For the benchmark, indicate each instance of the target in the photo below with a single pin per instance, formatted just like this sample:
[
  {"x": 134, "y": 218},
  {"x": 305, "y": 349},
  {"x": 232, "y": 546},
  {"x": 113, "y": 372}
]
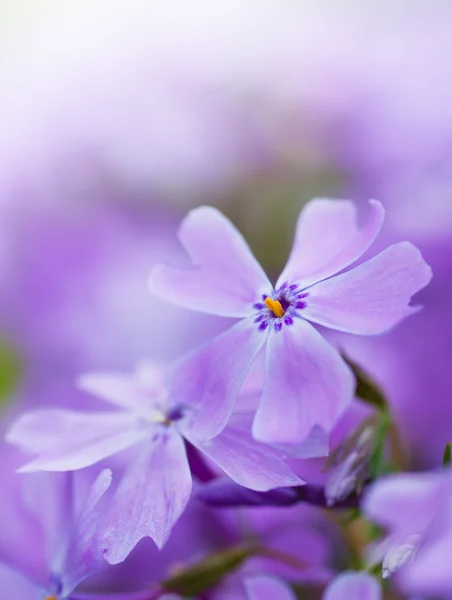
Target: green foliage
[
  {"x": 367, "y": 389},
  {"x": 10, "y": 371},
  {"x": 377, "y": 462},
  {"x": 447, "y": 456},
  {"x": 194, "y": 580}
]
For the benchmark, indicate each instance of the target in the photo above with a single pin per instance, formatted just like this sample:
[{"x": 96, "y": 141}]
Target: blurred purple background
[{"x": 117, "y": 117}]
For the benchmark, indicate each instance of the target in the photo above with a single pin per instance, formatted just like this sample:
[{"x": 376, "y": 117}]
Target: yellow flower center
[{"x": 275, "y": 307}]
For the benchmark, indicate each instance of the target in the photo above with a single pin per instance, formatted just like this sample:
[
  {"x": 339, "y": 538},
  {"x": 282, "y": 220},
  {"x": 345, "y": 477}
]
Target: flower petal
[
  {"x": 316, "y": 445},
  {"x": 246, "y": 461},
  {"x": 263, "y": 587},
  {"x": 307, "y": 384},
  {"x": 83, "y": 557},
  {"x": 406, "y": 501},
  {"x": 150, "y": 498},
  {"x": 14, "y": 584},
  {"x": 353, "y": 586},
  {"x": 65, "y": 440},
  {"x": 328, "y": 239},
  {"x": 429, "y": 572},
  {"x": 125, "y": 391},
  {"x": 226, "y": 279},
  {"x": 373, "y": 297},
  {"x": 210, "y": 378}
]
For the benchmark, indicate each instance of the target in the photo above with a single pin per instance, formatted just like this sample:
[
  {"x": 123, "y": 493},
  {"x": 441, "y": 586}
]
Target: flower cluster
[{"x": 232, "y": 421}]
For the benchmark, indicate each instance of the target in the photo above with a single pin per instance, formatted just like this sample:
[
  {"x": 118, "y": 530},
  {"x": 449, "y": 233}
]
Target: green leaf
[
  {"x": 377, "y": 464},
  {"x": 366, "y": 388},
  {"x": 204, "y": 575},
  {"x": 447, "y": 456},
  {"x": 10, "y": 371}
]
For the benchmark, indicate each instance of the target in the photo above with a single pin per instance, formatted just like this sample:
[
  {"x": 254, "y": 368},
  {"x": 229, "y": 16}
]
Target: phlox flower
[
  {"x": 306, "y": 382},
  {"x": 157, "y": 482},
  {"x": 416, "y": 511},
  {"x": 48, "y": 542}
]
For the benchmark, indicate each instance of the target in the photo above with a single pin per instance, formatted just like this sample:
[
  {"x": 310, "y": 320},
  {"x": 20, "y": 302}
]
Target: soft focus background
[{"x": 117, "y": 117}]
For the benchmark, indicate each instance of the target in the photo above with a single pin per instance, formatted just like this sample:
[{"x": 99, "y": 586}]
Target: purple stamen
[
  {"x": 284, "y": 303},
  {"x": 175, "y": 414},
  {"x": 290, "y": 298}
]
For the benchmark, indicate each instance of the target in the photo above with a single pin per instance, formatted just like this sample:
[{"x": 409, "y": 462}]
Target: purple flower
[
  {"x": 48, "y": 543},
  {"x": 157, "y": 483},
  {"x": 353, "y": 586},
  {"x": 415, "y": 509},
  {"x": 306, "y": 382}
]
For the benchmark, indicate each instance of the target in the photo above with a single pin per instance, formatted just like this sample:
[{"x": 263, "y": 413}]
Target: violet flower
[
  {"x": 306, "y": 382},
  {"x": 156, "y": 485},
  {"x": 353, "y": 586},
  {"x": 62, "y": 551},
  {"x": 415, "y": 509}
]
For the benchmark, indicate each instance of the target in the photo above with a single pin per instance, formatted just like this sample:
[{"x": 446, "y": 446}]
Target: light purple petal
[
  {"x": 83, "y": 557},
  {"x": 263, "y": 587},
  {"x": 248, "y": 462},
  {"x": 429, "y": 572},
  {"x": 152, "y": 375},
  {"x": 226, "y": 279},
  {"x": 406, "y": 501},
  {"x": 24, "y": 543},
  {"x": 353, "y": 586},
  {"x": 49, "y": 497},
  {"x": 125, "y": 391},
  {"x": 65, "y": 440},
  {"x": 328, "y": 239},
  {"x": 15, "y": 586},
  {"x": 307, "y": 384},
  {"x": 373, "y": 297},
  {"x": 150, "y": 498},
  {"x": 317, "y": 444},
  {"x": 314, "y": 446},
  {"x": 210, "y": 378}
]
